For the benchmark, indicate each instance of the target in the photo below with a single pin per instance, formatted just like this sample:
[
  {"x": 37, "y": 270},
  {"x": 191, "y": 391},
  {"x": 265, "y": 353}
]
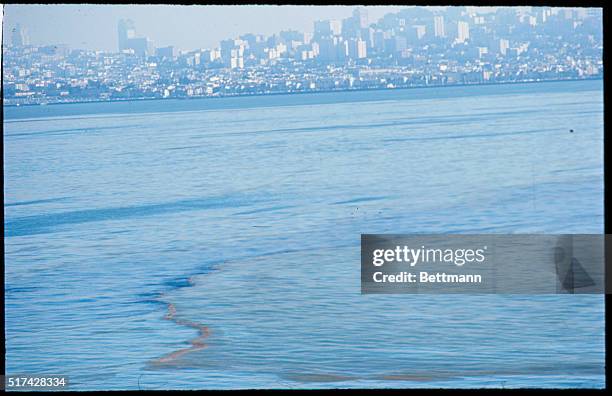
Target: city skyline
[
  {"x": 413, "y": 47},
  {"x": 187, "y": 27},
  {"x": 200, "y": 26}
]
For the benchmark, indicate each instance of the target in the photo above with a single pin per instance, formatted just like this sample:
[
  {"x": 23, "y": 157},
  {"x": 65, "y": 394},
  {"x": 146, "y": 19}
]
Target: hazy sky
[{"x": 188, "y": 27}]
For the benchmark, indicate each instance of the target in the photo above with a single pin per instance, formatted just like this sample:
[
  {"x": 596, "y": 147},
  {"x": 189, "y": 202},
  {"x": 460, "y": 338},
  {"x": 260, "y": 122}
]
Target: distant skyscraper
[
  {"x": 336, "y": 27},
  {"x": 350, "y": 28},
  {"x": 354, "y": 26},
  {"x": 322, "y": 29},
  {"x": 232, "y": 52},
  {"x": 211, "y": 55},
  {"x": 439, "y": 26},
  {"x": 398, "y": 44},
  {"x": 167, "y": 52},
  {"x": 127, "y": 39},
  {"x": 379, "y": 41},
  {"x": 503, "y": 46},
  {"x": 342, "y": 50},
  {"x": 417, "y": 31},
  {"x": 327, "y": 28},
  {"x": 141, "y": 46},
  {"x": 361, "y": 17},
  {"x": 327, "y": 49},
  {"x": 463, "y": 31},
  {"x": 481, "y": 52},
  {"x": 20, "y": 36},
  {"x": 545, "y": 14},
  {"x": 357, "y": 49},
  {"x": 235, "y": 61},
  {"x": 126, "y": 31},
  {"x": 307, "y": 37},
  {"x": 291, "y": 35},
  {"x": 362, "y": 49}
]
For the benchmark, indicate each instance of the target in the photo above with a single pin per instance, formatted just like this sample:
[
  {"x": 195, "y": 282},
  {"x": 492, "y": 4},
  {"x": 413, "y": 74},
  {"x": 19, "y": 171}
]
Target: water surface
[{"x": 215, "y": 244}]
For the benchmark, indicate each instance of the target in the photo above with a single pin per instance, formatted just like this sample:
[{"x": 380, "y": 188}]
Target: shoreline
[{"x": 323, "y": 91}]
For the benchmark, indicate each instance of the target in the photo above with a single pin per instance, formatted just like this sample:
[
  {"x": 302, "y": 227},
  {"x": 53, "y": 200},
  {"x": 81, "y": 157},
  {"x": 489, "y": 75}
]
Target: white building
[
  {"x": 463, "y": 31},
  {"x": 439, "y": 26}
]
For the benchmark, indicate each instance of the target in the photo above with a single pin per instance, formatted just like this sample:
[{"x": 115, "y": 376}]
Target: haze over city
[
  {"x": 187, "y": 27},
  {"x": 412, "y": 47}
]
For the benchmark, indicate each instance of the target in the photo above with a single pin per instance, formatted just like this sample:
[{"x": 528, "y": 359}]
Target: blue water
[{"x": 215, "y": 243}]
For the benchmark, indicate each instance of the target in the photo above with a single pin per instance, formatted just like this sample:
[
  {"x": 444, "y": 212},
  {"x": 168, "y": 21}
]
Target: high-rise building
[
  {"x": 463, "y": 31},
  {"x": 322, "y": 29},
  {"x": 127, "y": 39},
  {"x": 439, "y": 26},
  {"x": 379, "y": 41},
  {"x": 291, "y": 35},
  {"x": 416, "y": 32},
  {"x": 341, "y": 50},
  {"x": 336, "y": 27},
  {"x": 327, "y": 49},
  {"x": 141, "y": 46},
  {"x": 503, "y": 46},
  {"x": 481, "y": 52},
  {"x": 362, "y": 49},
  {"x": 232, "y": 53},
  {"x": 350, "y": 28},
  {"x": 357, "y": 49},
  {"x": 396, "y": 44},
  {"x": 361, "y": 17},
  {"x": 307, "y": 37},
  {"x": 211, "y": 55},
  {"x": 236, "y": 62},
  {"x": 126, "y": 31},
  {"x": 355, "y": 26},
  {"x": 250, "y": 39},
  {"x": 545, "y": 13},
  {"x": 327, "y": 28},
  {"x": 20, "y": 36},
  {"x": 167, "y": 52}
]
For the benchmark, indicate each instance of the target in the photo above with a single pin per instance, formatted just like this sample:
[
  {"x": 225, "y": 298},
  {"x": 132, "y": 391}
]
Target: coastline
[{"x": 322, "y": 91}]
